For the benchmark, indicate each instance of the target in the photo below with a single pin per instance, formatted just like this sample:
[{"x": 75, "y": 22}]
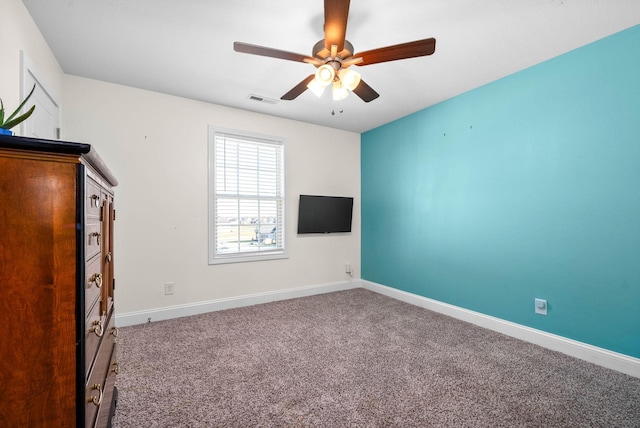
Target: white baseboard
[
  {"x": 593, "y": 354},
  {"x": 177, "y": 311}
]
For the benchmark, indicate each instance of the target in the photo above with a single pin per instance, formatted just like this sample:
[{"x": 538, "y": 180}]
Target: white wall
[
  {"x": 18, "y": 33},
  {"x": 156, "y": 145}
]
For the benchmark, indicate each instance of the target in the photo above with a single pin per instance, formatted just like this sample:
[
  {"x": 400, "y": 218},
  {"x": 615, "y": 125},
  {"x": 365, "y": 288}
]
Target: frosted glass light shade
[
  {"x": 316, "y": 87},
  {"x": 338, "y": 91},
  {"x": 349, "y": 78}
]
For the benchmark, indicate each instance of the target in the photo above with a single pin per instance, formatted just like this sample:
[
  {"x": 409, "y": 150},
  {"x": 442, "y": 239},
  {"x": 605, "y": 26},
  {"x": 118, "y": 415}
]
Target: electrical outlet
[
  {"x": 541, "y": 306},
  {"x": 169, "y": 287},
  {"x": 347, "y": 268}
]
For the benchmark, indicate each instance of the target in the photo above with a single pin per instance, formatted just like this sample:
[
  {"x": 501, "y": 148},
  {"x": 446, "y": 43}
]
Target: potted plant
[{"x": 13, "y": 120}]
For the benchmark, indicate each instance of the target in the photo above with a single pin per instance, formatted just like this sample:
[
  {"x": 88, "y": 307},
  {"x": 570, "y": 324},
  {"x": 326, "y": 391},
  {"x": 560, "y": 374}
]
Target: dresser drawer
[
  {"x": 98, "y": 384},
  {"x": 93, "y": 283},
  {"x": 95, "y": 330},
  {"x": 93, "y": 232},
  {"x": 93, "y": 199},
  {"x": 105, "y": 412}
]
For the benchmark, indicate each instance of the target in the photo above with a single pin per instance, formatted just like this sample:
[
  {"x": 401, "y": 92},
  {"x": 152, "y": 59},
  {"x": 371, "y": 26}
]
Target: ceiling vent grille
[{"x": 261, "y": 99}]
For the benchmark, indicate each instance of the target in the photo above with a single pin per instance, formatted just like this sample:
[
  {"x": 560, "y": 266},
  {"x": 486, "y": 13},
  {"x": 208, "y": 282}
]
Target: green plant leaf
[
  {"x": 20, "y": 107},
  {"x": 13, "y": 122},
  {"x": 1, "y": 112}
]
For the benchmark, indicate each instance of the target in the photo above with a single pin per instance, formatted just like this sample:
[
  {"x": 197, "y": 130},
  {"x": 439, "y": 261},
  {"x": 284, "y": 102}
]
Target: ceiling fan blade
[
  {"x": 270, "y": 52},
  {"x": 402, "y": 51},
  {"x": 365, "y": 92},
  {"x": 336, "y": 13},
  {"x": 298, "y": 89}
]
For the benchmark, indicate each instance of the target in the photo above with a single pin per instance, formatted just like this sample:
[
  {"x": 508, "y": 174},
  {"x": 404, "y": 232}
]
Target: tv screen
[{"x": 324, "y": 214}]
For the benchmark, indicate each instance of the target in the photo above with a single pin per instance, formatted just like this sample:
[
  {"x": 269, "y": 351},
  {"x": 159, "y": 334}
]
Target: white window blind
[{"x": 247, "y": 202}]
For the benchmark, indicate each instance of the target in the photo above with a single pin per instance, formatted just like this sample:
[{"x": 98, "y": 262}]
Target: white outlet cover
[
  {"x": 541, "y": 306},
  {"x": 169, "y": 288}
]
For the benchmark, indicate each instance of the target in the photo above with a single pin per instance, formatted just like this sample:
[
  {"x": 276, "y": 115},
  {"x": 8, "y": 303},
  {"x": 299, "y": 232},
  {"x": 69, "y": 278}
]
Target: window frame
[{"x": 216, "y": 257}]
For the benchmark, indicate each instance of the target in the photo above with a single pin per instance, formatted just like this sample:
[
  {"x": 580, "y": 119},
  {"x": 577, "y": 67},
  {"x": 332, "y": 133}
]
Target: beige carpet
[{"x": 359, "y": 359}]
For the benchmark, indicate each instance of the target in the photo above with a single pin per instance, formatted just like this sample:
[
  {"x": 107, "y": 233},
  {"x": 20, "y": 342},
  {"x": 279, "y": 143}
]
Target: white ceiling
[{"x": 185, "y": 47}]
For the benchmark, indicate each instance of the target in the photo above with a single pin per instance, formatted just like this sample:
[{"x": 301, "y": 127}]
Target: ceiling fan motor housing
[{"x": 321, "y": 52}]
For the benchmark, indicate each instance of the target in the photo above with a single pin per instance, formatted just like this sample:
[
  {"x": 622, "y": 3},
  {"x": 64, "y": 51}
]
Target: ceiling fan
[{"x": 334, "y": 55}]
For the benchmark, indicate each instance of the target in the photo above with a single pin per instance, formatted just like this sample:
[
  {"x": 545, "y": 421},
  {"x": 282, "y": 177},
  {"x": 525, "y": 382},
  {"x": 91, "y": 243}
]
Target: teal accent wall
[{"x": 526, "y": 187}]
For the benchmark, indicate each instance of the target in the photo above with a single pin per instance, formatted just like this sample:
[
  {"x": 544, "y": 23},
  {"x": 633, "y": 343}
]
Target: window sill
[{"x": 242, "y": 258}]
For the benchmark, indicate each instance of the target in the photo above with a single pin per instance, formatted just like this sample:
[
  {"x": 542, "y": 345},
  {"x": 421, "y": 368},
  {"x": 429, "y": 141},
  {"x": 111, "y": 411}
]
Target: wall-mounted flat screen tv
[{"x": 324, "y": 214}]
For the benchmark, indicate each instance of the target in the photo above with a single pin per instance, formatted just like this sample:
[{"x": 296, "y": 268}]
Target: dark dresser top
[{"x": 83, "y": 150}]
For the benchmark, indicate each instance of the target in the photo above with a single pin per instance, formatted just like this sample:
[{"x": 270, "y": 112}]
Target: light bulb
[{"x": 325, "y": 74}]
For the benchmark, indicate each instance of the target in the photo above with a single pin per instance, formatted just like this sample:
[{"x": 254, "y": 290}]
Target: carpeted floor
[{"x": 359, "y": 359}]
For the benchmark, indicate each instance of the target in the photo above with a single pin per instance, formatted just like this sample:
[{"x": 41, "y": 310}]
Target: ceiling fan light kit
[
  {"x": 342, "y": 82},
  {"x": 333, "y": 56}
]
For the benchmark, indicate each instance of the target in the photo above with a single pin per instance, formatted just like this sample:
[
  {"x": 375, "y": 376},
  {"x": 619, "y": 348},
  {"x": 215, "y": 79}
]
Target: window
[{"x": 246, "y": 197}]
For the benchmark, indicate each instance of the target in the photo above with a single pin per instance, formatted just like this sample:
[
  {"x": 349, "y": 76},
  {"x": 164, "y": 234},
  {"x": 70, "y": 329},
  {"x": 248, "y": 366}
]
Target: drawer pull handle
[
  {"x": 115, "y": 332},
  {"x": 97, "y": 278},
  {"x": 97, "y": 236},
  {"x": 97, "y": 328},
  {"x": 108, "y": 257},
  {"x": 116, "y": 368},
  {"x": 96, "y": 400},
  {"x": 95, "y": 200}
]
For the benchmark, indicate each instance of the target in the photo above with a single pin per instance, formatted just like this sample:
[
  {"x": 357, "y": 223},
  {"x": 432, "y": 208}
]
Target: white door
[{"x": 45, "y": 120}]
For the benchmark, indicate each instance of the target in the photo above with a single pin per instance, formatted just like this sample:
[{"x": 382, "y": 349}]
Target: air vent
[{"x": 260, "y": 99}]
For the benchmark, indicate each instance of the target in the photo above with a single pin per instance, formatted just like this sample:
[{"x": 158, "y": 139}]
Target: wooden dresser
[{"x": 57, "y": 336}]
